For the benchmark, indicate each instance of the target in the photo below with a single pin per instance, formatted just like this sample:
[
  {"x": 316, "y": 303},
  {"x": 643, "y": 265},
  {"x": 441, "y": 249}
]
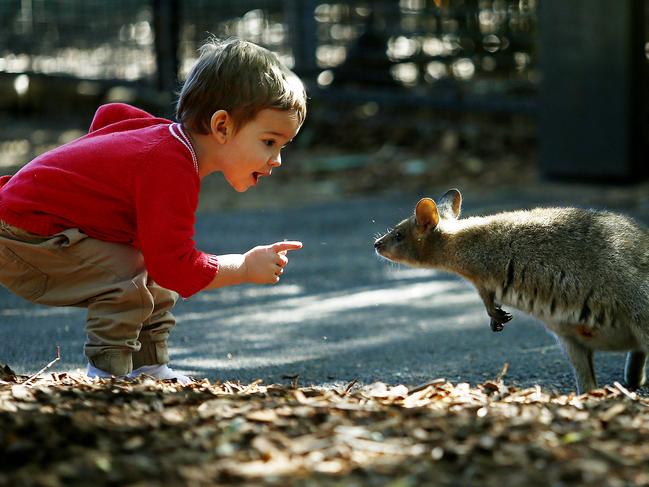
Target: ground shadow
[{"x": 339, "y": 314}]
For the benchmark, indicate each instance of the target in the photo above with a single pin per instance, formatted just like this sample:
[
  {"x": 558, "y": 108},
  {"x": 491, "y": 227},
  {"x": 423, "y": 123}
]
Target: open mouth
[{"x": 257, "y": 175}]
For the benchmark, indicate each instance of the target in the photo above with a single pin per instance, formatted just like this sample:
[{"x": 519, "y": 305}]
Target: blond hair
[{"x": 241, "y": 78}]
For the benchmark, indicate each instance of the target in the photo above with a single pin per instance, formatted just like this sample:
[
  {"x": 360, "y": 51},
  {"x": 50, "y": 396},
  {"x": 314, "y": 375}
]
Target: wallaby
[{"x": 584, "y": 273}]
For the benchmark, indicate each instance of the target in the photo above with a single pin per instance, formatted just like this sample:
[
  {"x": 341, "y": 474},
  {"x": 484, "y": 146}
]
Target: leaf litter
[{"x": 63, "y": 429}]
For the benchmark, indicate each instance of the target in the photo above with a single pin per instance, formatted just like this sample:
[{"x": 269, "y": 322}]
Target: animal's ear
[
  {"x": 450, "y": 205},
  {"x": 426, "y": 213}
]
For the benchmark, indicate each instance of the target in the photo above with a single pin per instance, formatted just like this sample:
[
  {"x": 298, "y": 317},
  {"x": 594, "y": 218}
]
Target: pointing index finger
[{"x": 287, "y": 245}]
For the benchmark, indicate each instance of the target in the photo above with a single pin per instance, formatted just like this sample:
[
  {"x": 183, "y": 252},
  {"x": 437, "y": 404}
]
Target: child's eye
[{"x": 269, "y": 143}]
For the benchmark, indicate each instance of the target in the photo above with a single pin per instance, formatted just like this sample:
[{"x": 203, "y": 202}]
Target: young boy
[{"x": 107, "y": 221}]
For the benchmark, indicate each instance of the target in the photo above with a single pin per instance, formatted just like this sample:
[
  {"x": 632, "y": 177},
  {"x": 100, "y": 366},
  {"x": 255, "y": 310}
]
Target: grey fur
[{"x": 584, "y": 273}]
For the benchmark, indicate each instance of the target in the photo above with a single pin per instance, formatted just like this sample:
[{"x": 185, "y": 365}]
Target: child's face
[{"x": 254, "y": 150}]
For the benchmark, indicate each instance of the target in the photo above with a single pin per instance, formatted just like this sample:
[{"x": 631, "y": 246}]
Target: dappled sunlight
[
  {"x": 295, "y": 310},
  {"x": 33, "y": 312},
  {"x": 461, "y": 298},
  {"x": 399, "y": 272},
  {"x": 252, "y": 292},
  {"x": 360, "y": 327},
  {"x": 273, "y": 358},
  {"x": 252, "y": 350}
]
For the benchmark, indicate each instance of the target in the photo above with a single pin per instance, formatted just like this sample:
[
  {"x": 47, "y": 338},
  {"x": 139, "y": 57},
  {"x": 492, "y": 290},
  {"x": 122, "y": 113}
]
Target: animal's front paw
[
  {"x": 499, "y": 318},
  {"x": 496, "y": 325}
]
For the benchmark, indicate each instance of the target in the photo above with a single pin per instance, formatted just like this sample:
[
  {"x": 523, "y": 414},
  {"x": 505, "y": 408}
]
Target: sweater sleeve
[
  {"x": 115, "y": 112},
  {"x": 166, "y": 202}
]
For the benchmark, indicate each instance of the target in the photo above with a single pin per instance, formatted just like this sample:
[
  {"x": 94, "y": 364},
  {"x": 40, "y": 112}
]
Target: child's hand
[{"x": 265, "y": 263}]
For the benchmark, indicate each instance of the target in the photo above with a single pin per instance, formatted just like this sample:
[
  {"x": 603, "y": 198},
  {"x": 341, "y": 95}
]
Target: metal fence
[
  {"x": 406, "y": 48},
  {"x": 451, "y": 56},
  {"x": 89, "y": 39}
]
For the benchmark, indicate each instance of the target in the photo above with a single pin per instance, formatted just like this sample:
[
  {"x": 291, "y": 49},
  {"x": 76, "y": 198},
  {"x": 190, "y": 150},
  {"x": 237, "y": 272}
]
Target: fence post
[
  {"x": 593, "y": 112},
  {"x": 166, "y": 25},
  {"x": 301, "y": 20}
]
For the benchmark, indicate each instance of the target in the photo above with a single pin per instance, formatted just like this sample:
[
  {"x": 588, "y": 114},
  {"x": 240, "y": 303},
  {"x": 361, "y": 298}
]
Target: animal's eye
[{"x": 398, "y": 236}]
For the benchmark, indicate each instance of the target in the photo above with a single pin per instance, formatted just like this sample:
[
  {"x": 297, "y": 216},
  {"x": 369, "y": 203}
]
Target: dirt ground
[{"x": 65, "y": 430}]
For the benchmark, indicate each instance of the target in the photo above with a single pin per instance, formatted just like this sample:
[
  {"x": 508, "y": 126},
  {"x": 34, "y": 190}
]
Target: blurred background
[
  {"x": 518, "y": 103},
  {"x": 405, "y": 95}
]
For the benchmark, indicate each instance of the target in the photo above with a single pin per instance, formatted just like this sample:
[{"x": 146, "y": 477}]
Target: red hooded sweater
[{"x": 129, "y": 181}]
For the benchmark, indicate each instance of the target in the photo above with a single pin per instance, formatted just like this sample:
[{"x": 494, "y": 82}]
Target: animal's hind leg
[
  {"x": 634, "y": 370},
  {"x": 581, "y": 359}
]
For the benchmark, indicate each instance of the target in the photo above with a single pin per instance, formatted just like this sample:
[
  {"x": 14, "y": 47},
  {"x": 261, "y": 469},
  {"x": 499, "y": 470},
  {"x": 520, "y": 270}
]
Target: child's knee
[{"x": 146, "y": 297}]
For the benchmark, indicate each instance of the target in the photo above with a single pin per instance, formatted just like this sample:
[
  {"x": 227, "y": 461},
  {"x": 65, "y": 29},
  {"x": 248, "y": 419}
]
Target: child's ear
[
  {"x": 426, "y": 213},
  {"x": 450, "y": 205},
  {"x": 221, "y": 125}
]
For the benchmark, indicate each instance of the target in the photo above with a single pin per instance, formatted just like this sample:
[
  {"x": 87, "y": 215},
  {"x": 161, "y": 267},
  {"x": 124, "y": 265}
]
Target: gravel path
[{"x": 338, "y": 314}]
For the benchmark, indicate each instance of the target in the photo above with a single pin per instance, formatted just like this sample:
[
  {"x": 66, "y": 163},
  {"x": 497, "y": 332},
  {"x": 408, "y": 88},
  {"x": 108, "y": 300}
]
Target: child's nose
[{"x": 276, "y": 161}]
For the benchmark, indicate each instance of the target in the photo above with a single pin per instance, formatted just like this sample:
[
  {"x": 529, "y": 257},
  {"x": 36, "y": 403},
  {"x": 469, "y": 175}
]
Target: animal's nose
[{"x": 377, "y": 244}]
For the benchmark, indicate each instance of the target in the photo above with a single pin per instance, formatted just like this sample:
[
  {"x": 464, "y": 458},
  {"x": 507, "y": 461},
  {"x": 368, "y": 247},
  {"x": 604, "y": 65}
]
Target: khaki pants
[{"x": 129, "y": 317}]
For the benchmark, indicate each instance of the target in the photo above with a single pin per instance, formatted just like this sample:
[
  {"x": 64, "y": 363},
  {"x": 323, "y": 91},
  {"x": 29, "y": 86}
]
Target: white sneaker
[
  {"x": 160, "y": 371},
  {"x": 93, "y": 372}
]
